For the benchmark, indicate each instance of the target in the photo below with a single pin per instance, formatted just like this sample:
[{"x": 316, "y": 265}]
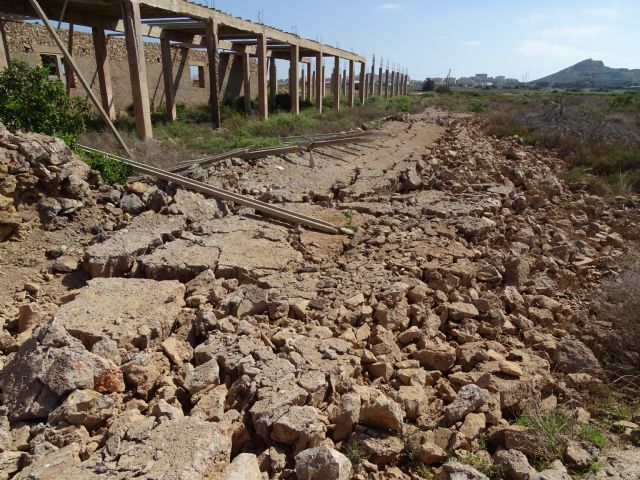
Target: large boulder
[
  {"x": 573, "y": 356},
  {"x": 322, "y": 463},
  {"x": 47, "y": 367},
  {"x": 244, "y": 467},
  {"x": 469, "y": 399},
  {"x": 459, "y": 471}
]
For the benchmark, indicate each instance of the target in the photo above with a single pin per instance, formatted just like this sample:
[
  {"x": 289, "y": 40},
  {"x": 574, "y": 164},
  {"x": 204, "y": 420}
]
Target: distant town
[{"x": 478, "y": 80}]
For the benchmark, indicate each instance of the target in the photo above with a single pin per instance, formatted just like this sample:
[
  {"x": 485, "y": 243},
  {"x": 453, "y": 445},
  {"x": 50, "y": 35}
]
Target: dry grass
[{"x": 192, "y": 136}]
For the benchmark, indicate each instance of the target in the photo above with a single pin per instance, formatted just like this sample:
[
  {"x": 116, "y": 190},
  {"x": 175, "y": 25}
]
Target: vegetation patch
[
  {"x": 32, "y": 102},
  {"x": 111, "y": 169}
]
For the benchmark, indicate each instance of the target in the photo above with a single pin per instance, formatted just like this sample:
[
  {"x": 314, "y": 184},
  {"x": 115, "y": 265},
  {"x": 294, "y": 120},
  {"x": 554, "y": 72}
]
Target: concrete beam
[
  {"x": 352, "y": 83},
  {"x": 137, "y": 69},
  {"x": 214, "y": 61},
  {"x": 294, "y": 86},
  {"x": 104, "y": 72},
  {"x": 167, "y": 75},
  {"x": 200, "y": 12},
  {"x": 263, "y": 101},
  {"x": 336, "y": 83},
  {"x": 246, "y": 82},
  {"x": 319, "y": 82}
]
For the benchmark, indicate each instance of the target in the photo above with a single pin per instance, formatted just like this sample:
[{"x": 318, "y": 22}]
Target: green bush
[
  {"x": 31, "y": 101},
  {"x": 111, "y": 170},
  {"x": 478, "y": 107},
  {"x": 444, "y": 90}
]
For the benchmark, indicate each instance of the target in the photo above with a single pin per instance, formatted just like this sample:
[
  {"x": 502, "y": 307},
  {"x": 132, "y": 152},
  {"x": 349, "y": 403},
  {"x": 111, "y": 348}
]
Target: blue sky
[{"x": 513, "y": 38}]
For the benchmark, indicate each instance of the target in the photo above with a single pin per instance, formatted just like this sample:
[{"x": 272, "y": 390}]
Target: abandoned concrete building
[{"x": 193, "y": 55}]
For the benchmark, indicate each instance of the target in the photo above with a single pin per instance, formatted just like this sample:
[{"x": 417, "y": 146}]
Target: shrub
[
  {"x": 444, "y": 90},
  {"x": 477, "y": 107},
  {"x": 428, "y": 85},
  {"x": 111, "y": 169},
  {"x": 30, "y": 101}
]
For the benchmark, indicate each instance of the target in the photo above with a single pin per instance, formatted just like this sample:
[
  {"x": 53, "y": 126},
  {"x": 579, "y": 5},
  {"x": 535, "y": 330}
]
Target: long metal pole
[
  {"x": 225, "y": 195},
  {"x": 83, "y": 81}
]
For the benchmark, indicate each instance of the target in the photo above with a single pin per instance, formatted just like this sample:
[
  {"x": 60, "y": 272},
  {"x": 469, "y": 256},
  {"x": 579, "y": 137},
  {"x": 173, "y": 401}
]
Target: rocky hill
[
  {"x": 591, "y": 73},
  {"x": 150, "y": 333}
]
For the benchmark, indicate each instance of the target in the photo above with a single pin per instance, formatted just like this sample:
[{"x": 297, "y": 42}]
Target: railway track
[{"x": 221, "y": 194}]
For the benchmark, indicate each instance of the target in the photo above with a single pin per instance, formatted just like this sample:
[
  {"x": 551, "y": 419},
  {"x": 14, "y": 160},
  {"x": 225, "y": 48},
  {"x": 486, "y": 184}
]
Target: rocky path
[{"x": 151, "y": 333}]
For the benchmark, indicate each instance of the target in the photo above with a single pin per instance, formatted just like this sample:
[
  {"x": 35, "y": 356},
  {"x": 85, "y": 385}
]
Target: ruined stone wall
[{"x": 27, "y": 41}]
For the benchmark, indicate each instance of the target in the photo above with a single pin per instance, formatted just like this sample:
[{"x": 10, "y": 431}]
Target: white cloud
[
  {"x": 389, "y": 6},
  {"x": 472, "y": 43},
  {"x": 600, "y": 12},
  {"x": 533, "y": 19},
  {"x": 554, "y": 50},
  {"x": 574, "y": 32}
]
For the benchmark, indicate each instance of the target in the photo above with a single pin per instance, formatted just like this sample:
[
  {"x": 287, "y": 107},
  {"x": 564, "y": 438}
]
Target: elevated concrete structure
[{"x": 182, "y": 25}]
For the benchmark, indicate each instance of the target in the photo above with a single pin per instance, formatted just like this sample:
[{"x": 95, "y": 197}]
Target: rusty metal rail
[
  {"x": 205, "y": 189},
  {"x": 249, "y": 153}
]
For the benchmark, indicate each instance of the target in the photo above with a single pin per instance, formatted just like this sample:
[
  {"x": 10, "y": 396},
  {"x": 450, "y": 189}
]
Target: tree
[
  {"x": 428, "y": 85},
  {"x": 30, "y": 101}
]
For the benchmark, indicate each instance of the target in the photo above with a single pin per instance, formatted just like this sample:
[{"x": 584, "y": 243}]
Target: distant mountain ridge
[{"x": 591, "y": 73}]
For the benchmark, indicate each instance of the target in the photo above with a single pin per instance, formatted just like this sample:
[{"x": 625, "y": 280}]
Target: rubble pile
[{"x": 213, "y": 344}]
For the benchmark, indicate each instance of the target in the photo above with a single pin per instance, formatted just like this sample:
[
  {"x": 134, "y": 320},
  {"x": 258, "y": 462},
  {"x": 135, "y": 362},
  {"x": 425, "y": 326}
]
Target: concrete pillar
[
  {"x": 319, "y": 82},
  {"x": 372, "y": 78},
  {"x": 246, "y": 82},
  {"x": 273, "y": 79},
  {"x": 104, "y": 73},
  {"x": 343, "y": 83},
  {"x": 309, "y": 83},
  {"x": 324, "y": 81},
  {"x": 294, "y": 86},
  {"x": 363, "y": 83},
  {"x": 137, "y": 68},
  {"x": 386, "y": 84},
  {"x": 380, "y": 82},
  {"x": 167, "y": 75},
  {"x": 71, "y": 77},
  {"x": 314, "y": 82},
  {"x": 336, "y": 84},
  {"x": 392, "y": 86},
  {"x": 303, "y": 84},
  {"x": 214, "y": 60},
  {"x": 4, "y": 49},
  {"x": 352, "y": 83},
  {"x": 263, "y": 102}
]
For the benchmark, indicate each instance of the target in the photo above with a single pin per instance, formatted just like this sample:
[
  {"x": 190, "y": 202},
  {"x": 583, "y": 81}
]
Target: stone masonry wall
[{"x": 27, "y": 41}]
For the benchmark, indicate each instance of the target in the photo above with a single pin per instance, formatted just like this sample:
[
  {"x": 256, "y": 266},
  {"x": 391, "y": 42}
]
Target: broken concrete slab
[
  {"x": 136, "y": 313},
  {"x": 180, "y": 260},
  {"x": 116, "y": 255}
]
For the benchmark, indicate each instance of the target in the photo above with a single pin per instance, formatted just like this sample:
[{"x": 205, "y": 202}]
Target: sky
[{"x": 519, "y": 39}]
